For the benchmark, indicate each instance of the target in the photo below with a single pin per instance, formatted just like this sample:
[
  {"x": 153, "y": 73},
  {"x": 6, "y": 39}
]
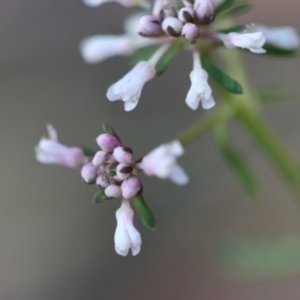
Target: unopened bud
[
  {"x": 172, "y": 26},
  {"x": 107, "y": 142},
  {"x": 99, "y": 158},
  {"x": 123, "y": 155},
  {"x": 88, "y": 173},
  {"x": 190, "y": 32},
  {"x": 102, "y": 182},
  {"x": 204, "y": 11},
  {"x": 123, "y": 171},
  {"x": 130, "y": 187},
  {"x": 113, "y": 191},
  {"x": 186, "y": 15},
  {"x": 149, "y": 25}
]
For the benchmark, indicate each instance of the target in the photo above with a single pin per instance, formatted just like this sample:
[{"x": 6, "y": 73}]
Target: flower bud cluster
[
  {"x": 175, "y": 22},
  {"x": 112, "y": 169}
]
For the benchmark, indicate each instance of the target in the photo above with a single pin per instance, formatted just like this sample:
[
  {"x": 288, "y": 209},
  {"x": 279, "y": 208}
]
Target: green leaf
[
  {"x": 275, "y": 94},
  {"x": 100, "y": 197},
  {"x": 237, "y": 10},
  {"x": 271, "y": 50},
  {"x": 223, "y": 79},
  {"x": 143, "y": 54},
  {"x": 144, "y": 212},
  {"x": 238, "y": 165},
  {"x": 259, "y": 258},
  {"x": 166, "y": 59},
  {"x": 87, "y": 151},
  {"x": 238, "y": 28},
  {"x": 108, "y": 129},
  {"x": 223, "y": 6}
]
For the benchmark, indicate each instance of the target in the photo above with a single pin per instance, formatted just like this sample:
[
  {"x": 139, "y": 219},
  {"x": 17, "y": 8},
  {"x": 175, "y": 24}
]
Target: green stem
[
  {"x": 203, "y": 126},
  {"x": 253, "y": 123}
]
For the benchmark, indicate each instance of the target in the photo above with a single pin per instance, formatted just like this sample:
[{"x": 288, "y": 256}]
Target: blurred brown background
[{"x": 54, "y": 243}]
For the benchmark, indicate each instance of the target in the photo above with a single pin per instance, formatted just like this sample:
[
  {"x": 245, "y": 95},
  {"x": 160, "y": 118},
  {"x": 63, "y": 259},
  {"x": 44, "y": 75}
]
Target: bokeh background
[{"x": 55, "y": 244}]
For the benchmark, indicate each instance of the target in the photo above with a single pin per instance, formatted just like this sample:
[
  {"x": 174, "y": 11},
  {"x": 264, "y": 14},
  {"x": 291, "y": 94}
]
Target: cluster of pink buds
[
  {"x": 112, "y": 169},
  {"x": 115, "y": 173},
  {"x": 171, "y": 25}
]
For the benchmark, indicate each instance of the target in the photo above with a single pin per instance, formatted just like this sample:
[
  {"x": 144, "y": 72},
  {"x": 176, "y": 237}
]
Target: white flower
[
  {"x": 129, "y": 87},
  {"x": 126, "y": 235},
  {"x": 50, "y": 151},
  {"x": 100, "y": 47},
  {"x": 252, "y": 41},
  {"x": 285, "y": 37},
  {"x": 199, "y": 91},
  {"x": 161, "y": 162}
]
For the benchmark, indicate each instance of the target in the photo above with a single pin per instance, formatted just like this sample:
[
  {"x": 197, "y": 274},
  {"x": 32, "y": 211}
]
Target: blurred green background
[{"x": 212, "y": 241}]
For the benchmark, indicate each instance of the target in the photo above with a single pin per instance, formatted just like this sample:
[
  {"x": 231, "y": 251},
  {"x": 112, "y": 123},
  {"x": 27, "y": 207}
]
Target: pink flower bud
[
  {"x": 107, "y": 142},
  {"x": 88, "y": 173},
  {"x": 172, "y": 26},
  {"x": 149, "y": 26},
  {"x": 204, "y": 11},
  {"x": 190, "y": 32},
  {"x": 99, "y": 158},
  {"x": 123, "y": 171},
  {"x": 186, "y": 15},
  {"x": 113, "y": 191},
  {"x": 126, "y": 235},
  {"x": 123, "y": 155},
  {"x": 130, "y": 187},
  {"x": 102, "y": 182}
]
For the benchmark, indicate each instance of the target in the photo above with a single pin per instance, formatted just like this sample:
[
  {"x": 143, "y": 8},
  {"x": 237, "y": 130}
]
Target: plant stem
[
  {"x": 203, "y": 126},
  {"x": 253, "y": 123}
]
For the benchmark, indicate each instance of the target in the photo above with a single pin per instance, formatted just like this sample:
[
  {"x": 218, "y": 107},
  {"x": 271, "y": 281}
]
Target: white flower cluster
[
  {"x": 165, "y": 24},
  {"x": 114, "y": 172}
]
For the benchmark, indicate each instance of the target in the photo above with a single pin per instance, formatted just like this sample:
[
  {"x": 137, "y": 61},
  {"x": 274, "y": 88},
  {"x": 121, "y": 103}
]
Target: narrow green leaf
[
  {"x": 87, "y": 151},
  {"x": 100, "y": 197},
  {"x": 271, "y": 50},
  {"x": 235, "y": 161},
  {"x": 166, "y": 59},
  {"x": 108, "y": 129},
  {"x": 237, "y": 10},
  {"x": 223, "y": 79},
  {"x": 223, "y": 6},
  {"x": 275, "y": 94},
  {"x": 144, "y": 212},
  {"x": 238, "y": 28},
  {"x": 143, "y": 54},
  {"x": 259, "y": 258}
]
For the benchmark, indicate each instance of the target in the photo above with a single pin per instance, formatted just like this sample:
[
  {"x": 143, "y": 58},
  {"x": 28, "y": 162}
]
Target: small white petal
[{"x": 178, "y": 176}]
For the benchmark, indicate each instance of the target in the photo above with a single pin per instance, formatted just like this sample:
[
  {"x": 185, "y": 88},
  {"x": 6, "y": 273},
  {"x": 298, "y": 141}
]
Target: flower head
[
  {"x": 161, "y": 162},
  {"x": 129, "y": 88},
  {"x": 50, "y": 151},
  {"x": 252, "y": 41},
  {"x": 126, "y": 235}
]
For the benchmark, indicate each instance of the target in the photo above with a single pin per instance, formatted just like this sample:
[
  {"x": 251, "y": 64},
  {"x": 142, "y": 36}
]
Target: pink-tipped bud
[
  {"x": 123, "y": 155},
  {"x": 186, "y": 15},
  {"x": 107, "y": 142},
  {"x": 123, "y": 171},
  {"x": 130, "y": 187},
  {"x": 149, "y": 25},
  {"x": 89, "y": 173},
  {"x": 190, "y": 32},
  {"x": 99, "y": 158},
  {"x": 113, "y": 191},
  {"x": 102, "y": 182},
  {"x": 204, "y": 11},
  {"x": 172, "y": 26}
]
